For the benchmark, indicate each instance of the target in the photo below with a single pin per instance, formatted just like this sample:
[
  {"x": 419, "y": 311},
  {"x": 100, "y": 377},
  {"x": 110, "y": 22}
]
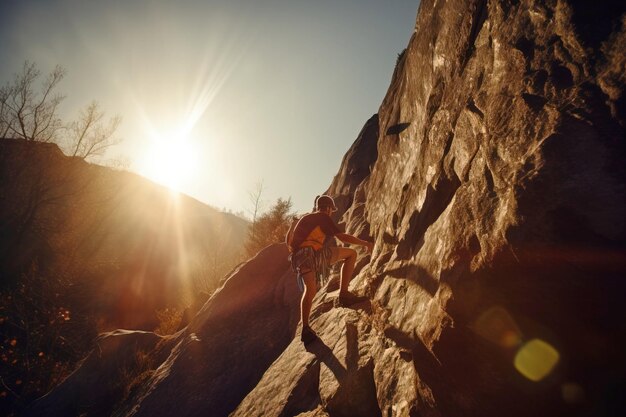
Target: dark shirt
[{"x": 312, "y": 230}]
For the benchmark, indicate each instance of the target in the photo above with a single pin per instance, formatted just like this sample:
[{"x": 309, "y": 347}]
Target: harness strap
[{"x": 306, "y": 259}]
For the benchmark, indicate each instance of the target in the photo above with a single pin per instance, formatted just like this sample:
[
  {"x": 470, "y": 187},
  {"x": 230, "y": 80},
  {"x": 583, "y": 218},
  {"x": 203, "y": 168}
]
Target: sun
[{"x": 170, "y": 162}]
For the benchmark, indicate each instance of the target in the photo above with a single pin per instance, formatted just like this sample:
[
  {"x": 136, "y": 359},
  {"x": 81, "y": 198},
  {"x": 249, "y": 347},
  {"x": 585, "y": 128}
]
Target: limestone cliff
[{"x": 496, "y": 200}]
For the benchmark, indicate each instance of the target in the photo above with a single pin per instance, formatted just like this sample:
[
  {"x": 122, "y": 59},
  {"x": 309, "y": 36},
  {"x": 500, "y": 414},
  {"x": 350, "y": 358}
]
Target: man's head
[{"x": 325, "y": 203}]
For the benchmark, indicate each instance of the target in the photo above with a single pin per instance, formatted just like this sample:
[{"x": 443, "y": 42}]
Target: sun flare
[{"x": 170, "y": 162}]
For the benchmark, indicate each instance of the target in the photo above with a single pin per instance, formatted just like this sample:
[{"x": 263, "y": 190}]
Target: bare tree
[
  {"x": 40, "y": 188},
  {"x": 5, "y": 126},
  {"x": 29, "y": 114},
  {"x": 91, "y": 134},
  {"x": 255, "y": 200}
]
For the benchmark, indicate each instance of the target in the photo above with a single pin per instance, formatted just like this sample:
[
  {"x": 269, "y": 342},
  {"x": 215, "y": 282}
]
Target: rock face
[
  {"x": 225, "y": 350},
  {"x": 498, "y": 210},
  {"x": 355, "y": 168},
  {"x": 496, "y": 200}
]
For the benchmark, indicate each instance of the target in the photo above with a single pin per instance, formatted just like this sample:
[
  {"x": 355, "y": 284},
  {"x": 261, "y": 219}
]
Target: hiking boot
[
  {"x": 308, "y": 335},
  {"x": 349, "y": 299}
]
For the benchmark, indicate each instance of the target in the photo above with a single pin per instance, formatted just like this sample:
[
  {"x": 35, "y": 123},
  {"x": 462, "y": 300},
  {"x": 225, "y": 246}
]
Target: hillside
[
  {"x": 80, "y": 218},
  {"x": 495, "y": 195},
  {"x": 86, "y": 249}
]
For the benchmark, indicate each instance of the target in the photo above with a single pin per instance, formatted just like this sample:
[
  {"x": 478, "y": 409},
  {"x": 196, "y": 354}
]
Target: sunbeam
[{"x": 170, "y": 114}]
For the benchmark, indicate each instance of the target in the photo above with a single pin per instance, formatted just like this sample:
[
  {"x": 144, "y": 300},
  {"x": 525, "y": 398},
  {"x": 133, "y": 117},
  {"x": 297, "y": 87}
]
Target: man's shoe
[
  {"x": 308, "y": 335},
  {"x": 349, "y": 299}
]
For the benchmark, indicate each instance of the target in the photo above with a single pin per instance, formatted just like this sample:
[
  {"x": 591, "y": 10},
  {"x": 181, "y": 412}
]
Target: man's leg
[
  {"x": 349, "y": 257},
  {"x": 310, "y": 289}
]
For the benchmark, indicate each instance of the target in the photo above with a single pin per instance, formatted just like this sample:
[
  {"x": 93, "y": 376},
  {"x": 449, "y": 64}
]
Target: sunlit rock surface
[
  {"x": 504, "y": 196},
  {"x": 355, "y": 168},
  {"x": 496, "y": 200},
  {"x": 224, "y": 351}
]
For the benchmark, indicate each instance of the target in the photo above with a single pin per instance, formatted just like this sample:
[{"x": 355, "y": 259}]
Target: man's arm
[{"x": 346, "y": 238}]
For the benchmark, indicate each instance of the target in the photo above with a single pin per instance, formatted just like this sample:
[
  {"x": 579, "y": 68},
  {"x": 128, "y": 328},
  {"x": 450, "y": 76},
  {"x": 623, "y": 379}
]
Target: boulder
[
  {"x": 101, "y": 378},
  {"x": 227, "y": 347}
]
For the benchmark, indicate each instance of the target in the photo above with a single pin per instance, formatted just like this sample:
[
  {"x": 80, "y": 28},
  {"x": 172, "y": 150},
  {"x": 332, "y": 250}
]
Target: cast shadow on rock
[
  {"x": 352, "y": 347},
  {"x": 418, "y": 275},
  {"x": 322, "y": 308},
  {"x": 326, "y": 306},
  {"x": 325, "y": 355},
  {"x": 397, "y": 128},
  {"x": 439, "y": 195},
  {"x": 426, "y": 364}
]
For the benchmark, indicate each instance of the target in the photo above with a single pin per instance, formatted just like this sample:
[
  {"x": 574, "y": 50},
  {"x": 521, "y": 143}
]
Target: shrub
[{"x": 270, "y": 227}]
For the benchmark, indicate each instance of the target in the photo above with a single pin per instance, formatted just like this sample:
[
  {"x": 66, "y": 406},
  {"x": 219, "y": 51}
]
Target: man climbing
[{"x": 312, "y": 256}]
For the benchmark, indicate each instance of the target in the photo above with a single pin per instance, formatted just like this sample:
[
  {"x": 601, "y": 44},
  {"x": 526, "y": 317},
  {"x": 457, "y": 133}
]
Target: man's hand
[{"x": 352, "y": 240}]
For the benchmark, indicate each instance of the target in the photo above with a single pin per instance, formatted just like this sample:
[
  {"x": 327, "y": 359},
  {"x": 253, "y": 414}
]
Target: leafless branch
[{"x": 90, "y": 135}]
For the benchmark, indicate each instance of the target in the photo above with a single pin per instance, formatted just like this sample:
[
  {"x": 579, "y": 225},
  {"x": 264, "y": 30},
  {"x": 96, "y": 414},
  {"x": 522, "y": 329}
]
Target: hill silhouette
[{"x": 86, "y": 249}]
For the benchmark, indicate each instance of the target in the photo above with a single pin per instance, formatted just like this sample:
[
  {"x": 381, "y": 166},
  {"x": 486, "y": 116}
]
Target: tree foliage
[{"x": 270, "y": 227}]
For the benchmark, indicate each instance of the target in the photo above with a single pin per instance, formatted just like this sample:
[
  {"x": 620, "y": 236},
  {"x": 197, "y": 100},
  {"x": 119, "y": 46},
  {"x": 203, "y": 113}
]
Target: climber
[{"x": 312, "y": 256}]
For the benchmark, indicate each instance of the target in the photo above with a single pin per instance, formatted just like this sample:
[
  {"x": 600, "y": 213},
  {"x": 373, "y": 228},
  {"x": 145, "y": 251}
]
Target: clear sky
[{"x": 218, "y": 95}]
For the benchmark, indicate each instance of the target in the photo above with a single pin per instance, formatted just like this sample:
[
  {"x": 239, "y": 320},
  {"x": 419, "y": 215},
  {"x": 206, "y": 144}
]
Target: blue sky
[{"x": 273, "y": 91}]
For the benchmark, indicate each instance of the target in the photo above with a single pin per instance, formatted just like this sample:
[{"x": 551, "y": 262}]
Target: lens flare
[
  {"x": 536, "y": 359},
  {"x": 497, "y": 326},
  {"x": 572, "y": 393}
]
